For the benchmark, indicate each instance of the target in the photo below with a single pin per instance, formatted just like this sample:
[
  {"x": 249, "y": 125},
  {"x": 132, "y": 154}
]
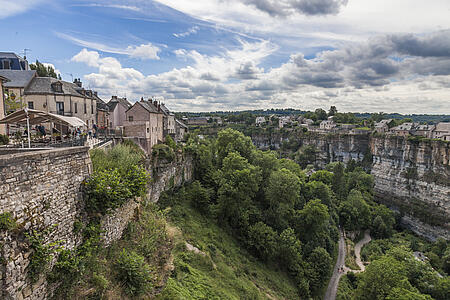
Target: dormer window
[
  {"x": 57, "y": 87},
  {"x": 6, "y": 64}
]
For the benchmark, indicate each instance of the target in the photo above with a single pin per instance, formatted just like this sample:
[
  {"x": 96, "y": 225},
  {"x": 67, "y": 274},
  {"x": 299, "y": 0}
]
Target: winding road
[{"x": 340, "y": 264}]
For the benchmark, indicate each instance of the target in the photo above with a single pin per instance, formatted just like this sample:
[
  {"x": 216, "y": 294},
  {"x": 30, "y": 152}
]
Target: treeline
[{"x": 279, "y": 213}]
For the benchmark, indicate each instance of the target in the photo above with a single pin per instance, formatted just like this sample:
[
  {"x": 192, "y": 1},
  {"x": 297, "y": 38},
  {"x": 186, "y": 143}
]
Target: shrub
[
  {"x": 163, "y": 151},
  {"x": 109, "y": 189},
  {"x": 199, "y": 196},
  {"x": 4, "y": 139},
  {"x": 133, "y": 272},
  {"x": 41, "y": 255},
  {"x": 7, "y": 222}
]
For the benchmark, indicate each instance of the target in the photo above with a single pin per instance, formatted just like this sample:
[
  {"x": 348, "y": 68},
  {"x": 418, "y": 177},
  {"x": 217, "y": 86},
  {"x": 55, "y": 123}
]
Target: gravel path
[
  {"x": 340, "y": 263},
  {"x": 358, "y": 248}
]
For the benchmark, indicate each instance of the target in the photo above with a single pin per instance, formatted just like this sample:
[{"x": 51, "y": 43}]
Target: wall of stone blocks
[{"x": 42, "y": 190}]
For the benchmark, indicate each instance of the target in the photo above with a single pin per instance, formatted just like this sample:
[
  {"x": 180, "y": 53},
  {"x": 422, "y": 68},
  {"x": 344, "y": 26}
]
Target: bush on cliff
[
  {"x": 118, "y": 177},
  {"x": 162, "y": 151}
]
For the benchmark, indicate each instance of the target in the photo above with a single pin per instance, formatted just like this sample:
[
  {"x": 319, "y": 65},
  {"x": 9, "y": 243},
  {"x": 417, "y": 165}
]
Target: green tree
[
  {"x": 383, "y": 221},
  {"x": 354, "y": 212},
  {"x": 230, "y": 140},
  {"x": 380, "y": 278},
  {"x": 332, "y": 111},
  {"x": 282, "y": 192},
  {"x": 320, "y": 262},
  {"x": 306, "y": 155},
  {"x": 263, "y": 239},
  {"x": 321, "y": 114},
  {"x": 238, "y": 183},
  {"x": 44, "y": 71},
  {"x": 323, "y": 176},
  {"x": 339, "y": 182}
]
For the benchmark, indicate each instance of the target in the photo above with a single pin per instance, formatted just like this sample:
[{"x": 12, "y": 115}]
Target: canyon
[{"x": 412, "y": 176}]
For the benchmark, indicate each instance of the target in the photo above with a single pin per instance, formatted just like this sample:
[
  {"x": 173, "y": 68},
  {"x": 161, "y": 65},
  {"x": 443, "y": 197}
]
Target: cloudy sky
[{"x": 207, "y": 55}]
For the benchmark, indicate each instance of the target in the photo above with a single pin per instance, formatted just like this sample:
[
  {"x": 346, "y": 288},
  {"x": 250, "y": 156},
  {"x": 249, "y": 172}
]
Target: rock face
[
  {"x": 414, "y": 178},
  {"x": 42, "y": 190},
  {"x": 411, "y": 176}
]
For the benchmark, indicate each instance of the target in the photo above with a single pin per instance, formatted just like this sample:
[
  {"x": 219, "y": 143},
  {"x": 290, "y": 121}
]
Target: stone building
[
  {"x": 383, "y": 126},
  {"x": 12, "y": 61},
  {"x": 144, "y": 123},
  {"x": 180, "y": 130},
  {"x": 117, "y": 109},
  {"x": 102, "y": 117},
  {"x": 442, "y": 131},
  {"x": 62, "y": 98},
  {"x": 2, "y": 104},
  {"x": 327, "y": 124},
  {"x": 168, "y": 121},
  {"x": 403, "y": 129},
  {"x": 423, "y": 130},
  {"x": 15, "y": 87},
  {"x": 260, "y": 120}
]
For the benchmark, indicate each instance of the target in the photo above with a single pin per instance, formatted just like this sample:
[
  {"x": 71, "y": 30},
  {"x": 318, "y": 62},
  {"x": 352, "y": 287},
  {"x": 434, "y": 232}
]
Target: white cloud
[
  {"x": 10, "y": 8},
  {"x": 366, "y": 77},
  {"x": 117, "y": 6},
  {"x": 143, "y": 51},
  {"x": 192, "y": 30}
]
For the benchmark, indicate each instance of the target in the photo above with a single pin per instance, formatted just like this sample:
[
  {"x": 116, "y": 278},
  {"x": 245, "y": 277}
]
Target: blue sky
[{"x": 208, "y": 55}]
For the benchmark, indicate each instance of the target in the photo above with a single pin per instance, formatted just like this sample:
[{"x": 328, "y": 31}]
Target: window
[
  {"x": 85, "y": 109},
  {"x": 30, "y": 105},
  {"x": 92, "y": 109},
  {"x": 148, "y": 130},
  {"x": 76, "y": 107},
  {"x": 6, "y": 64},
  {"x": 57, "y": 87},
  {"x": 130, "y": 118},
  {"x": 60, "y": 108}
]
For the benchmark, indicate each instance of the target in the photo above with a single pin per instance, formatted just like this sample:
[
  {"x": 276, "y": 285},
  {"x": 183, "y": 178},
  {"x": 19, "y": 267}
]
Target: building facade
[
  {"x": 144, "y": 123},
  {"x": 2, "y": 104},
  {"x": 117, "y": 111}
]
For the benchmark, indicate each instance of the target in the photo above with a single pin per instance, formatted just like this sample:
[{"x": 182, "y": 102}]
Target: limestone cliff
[{"x": 414, "y": 178}]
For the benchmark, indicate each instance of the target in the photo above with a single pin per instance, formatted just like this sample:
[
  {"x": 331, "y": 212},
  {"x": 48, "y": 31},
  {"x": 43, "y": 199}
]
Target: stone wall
[{"x": 41, "y": 189}]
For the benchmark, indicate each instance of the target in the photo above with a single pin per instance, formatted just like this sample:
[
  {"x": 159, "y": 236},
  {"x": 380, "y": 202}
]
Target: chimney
[
  {"x": 78, "y": 82},
  {"x": 142, "y": 99},
  {"x": 95, "y": 93},
  {"x": 159, "y": 107},
  {"x": 114, "y": 98}
]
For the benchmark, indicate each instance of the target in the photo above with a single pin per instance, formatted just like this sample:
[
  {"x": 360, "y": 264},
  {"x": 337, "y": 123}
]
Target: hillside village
[{"x": 147, "y": 121}]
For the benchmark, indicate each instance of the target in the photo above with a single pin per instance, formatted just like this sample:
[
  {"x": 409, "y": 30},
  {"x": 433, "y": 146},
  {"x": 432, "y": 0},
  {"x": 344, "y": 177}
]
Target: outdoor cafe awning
[{"x": 38, "y": 117}]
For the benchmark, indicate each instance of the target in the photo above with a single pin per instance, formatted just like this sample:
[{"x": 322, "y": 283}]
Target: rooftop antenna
[
  {"x": 25, "y": 53},
  {"x": 71, "y": 75}
]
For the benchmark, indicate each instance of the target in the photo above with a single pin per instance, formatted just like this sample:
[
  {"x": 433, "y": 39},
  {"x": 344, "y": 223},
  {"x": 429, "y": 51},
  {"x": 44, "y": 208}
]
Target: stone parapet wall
[{"x": 41, "y": 189}]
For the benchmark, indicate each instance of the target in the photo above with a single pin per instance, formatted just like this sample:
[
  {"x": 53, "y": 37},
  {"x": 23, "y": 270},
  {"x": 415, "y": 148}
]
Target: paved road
[{"x": 334, "y": 281}]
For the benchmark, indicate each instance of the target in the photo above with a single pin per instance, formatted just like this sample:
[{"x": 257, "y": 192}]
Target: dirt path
[
  {"x": 334, "y": 280},
  {"x": 340, "y": 263},
  {"x": 358, "y": 248}
]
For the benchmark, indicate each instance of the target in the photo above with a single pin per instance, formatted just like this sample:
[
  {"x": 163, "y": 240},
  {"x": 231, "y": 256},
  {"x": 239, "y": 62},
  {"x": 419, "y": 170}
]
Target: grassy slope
[{"x": 224, "y": 270}]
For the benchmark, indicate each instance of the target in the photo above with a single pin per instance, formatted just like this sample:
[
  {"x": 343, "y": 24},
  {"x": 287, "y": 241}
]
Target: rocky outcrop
[{"x": 413, "y": 177}]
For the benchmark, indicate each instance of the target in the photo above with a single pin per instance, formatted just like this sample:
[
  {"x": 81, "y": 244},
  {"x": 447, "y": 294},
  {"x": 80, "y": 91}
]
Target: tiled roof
[
  {"x": 9, "y": 55},
  {"x": 148, "y": 106},
  {"x": 18, "y": 78}
]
